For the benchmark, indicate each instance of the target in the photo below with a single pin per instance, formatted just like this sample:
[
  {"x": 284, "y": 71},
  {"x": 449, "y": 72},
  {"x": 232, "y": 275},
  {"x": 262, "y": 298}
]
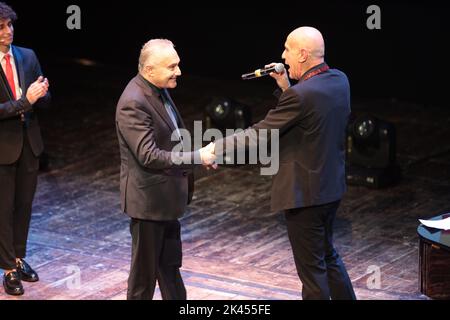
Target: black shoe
[
  {"x": 26, "y": 273},
  {"x": 12, "y": 284}
]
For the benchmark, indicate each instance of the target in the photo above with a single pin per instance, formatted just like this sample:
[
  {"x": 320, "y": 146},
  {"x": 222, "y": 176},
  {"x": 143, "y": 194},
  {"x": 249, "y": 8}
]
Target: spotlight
[
  {"x": 224, "y": 113},
  {"x": 371, "y": 152},
  {"x": 364, "y": 128}
]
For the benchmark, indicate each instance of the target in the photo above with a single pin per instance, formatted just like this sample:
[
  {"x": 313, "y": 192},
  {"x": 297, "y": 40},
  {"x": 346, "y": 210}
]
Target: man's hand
[
  {"x": 208, "y": 157},
  {"x": 282, "y": 78},
  {"x": 37, "y": 90}
]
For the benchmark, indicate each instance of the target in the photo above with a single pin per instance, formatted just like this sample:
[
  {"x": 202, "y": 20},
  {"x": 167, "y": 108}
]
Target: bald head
[
  {"x": 304, "y": 49},
  {"x": 310, "y": 39}
]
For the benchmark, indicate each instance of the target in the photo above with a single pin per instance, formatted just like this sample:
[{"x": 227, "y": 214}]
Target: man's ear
[
  {"x": 149, "y": 70},
  {"x": 303, "y": 55}
]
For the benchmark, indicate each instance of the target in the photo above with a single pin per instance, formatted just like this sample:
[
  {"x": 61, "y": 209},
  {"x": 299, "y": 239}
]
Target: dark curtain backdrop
[{"x": 403, "y": 60}]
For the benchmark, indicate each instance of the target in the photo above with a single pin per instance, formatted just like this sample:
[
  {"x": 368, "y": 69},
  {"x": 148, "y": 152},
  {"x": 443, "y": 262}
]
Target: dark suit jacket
[
  {"x": 11, "y": 127},
  {"x": 311, "y": 116},
  {"x": 152, "y": 187}
]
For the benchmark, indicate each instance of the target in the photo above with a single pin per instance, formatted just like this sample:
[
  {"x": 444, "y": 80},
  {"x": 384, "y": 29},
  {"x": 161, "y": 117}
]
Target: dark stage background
[{"x": 402, "y": 61}]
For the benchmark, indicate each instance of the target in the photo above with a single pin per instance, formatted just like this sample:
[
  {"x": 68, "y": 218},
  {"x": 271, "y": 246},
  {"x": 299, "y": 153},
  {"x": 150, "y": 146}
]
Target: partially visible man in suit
[
  {"x": 155, "y": 182},
  {"x": 22, "y": 90},
  {"x": 311, "y": 117}
]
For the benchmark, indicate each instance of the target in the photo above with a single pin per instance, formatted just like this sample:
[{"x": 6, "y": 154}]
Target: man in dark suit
[
  {"x": 22, "y": 89},
  {"x": 311, "y": 117},
  {"x": 155, "y": 182}
]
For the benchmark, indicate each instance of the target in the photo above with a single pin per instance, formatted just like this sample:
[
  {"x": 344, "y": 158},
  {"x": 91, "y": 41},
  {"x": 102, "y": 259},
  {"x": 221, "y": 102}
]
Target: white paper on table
[{"x": 443, "y": 224}]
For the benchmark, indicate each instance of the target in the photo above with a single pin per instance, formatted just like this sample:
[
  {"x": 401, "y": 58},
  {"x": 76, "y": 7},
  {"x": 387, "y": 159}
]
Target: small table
[{"x": 434, "y": 261}]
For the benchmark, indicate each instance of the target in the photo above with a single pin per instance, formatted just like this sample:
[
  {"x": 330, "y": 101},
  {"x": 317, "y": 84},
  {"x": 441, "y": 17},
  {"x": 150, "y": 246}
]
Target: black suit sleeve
[
  {"x": 136, "y": 127},
  {"x": 10, "y": 109},
  {"x": 288, "y": 112},
  {"x": 44, "y": 102}
]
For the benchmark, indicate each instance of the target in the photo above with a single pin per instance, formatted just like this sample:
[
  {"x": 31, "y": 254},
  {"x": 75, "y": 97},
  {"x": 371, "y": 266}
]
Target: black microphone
[{"x": 278, "y": 68}]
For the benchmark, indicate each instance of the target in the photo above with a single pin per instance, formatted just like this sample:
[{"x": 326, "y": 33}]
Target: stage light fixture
[
  {"x": 371, "y": 152},
  {"x": 225, "y": 113}
]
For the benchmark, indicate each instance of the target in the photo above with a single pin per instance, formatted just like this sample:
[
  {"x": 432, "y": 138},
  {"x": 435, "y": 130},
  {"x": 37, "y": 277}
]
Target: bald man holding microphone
[{"x": 311, "y": 117}]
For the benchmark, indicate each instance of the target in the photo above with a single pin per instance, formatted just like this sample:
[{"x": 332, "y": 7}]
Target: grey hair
[{"x": 149, "y": 49}]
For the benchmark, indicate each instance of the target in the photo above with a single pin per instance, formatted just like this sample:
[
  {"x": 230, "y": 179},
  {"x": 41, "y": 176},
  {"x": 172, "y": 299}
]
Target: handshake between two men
[
  {"x": 208, "y": 156},
  {"x": 308, "y": 171}
]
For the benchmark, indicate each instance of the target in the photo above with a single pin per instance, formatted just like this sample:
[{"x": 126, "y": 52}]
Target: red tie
[{"x": 10, "y": 75}]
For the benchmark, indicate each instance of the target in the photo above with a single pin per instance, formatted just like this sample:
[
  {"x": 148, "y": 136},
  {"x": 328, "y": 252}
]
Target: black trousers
[
  {"x": 156, "y": 256},
  {"x": 17, "y": 188},
  {"x": 319, "y": 266}
]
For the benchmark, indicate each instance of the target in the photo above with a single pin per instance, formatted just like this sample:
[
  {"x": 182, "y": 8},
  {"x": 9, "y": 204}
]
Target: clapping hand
[{"x": 37, "y": 90}]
